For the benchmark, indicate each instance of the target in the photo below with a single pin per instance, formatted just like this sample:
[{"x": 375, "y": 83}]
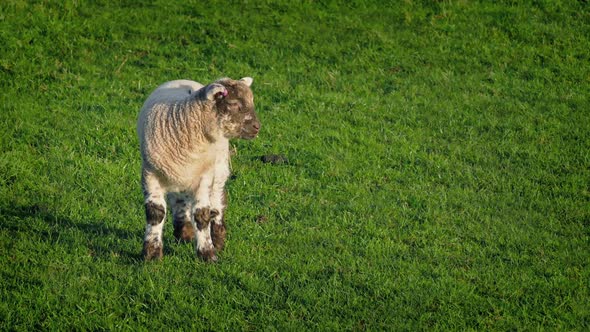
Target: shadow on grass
[{"x": 103, "y": 241}]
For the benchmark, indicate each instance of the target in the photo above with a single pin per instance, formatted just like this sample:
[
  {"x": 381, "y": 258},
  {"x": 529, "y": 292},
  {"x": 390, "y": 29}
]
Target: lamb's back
[
  {"x": 173, "y": 92},
  {"x": 162, "y": 98}
]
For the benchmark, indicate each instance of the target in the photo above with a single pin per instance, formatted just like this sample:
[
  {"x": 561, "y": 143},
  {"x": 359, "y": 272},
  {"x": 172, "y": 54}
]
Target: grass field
[{"x": 438, "y": 174}]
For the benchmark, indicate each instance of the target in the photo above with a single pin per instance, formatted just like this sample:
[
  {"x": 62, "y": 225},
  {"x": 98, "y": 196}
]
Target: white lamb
[{"x": 184, "y": 130}]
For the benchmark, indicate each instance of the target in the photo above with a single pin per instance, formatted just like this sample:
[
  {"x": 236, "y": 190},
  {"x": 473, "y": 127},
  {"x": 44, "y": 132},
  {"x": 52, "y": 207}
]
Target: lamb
[{"x": 184, "y": 130}]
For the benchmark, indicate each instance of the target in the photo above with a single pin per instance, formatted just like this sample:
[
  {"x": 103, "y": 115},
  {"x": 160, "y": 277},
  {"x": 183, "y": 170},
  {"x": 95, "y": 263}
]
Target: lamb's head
[{"x": 235, "y": 107}]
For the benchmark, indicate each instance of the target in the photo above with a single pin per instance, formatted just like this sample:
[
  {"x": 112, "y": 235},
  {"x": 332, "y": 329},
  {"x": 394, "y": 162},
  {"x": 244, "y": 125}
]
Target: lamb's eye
[{"x": 235, "y": 105}]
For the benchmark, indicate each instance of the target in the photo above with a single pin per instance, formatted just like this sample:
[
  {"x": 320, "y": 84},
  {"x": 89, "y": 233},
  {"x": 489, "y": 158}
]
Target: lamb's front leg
[
  {"x": 218, "y": 231},
  {"x": 219, "y": 201},
  {"x": 202, "y": 217},
  {"x": 155, "y": 212}
]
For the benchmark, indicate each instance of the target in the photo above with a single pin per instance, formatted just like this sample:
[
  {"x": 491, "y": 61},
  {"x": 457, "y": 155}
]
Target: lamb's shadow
[{"x": 104, "y": 241}]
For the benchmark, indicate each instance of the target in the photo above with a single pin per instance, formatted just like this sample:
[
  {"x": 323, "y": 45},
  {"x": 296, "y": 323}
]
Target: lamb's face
[{"x": 236, "y": 110}]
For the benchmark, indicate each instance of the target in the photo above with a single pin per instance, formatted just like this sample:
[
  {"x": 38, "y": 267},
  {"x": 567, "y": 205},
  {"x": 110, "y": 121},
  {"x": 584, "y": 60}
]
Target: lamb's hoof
[
  {"x": 184, "y": 233},
  {"x": 208, "y": 256},
  {"x": 152, "y": 251}
]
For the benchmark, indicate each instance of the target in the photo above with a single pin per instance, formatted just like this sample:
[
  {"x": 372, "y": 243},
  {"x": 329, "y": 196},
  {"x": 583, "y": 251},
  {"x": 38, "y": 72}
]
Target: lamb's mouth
[{"x": 247, "y": 134}]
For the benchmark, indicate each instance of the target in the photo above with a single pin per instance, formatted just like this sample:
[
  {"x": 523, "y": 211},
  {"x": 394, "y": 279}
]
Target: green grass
[{"x": 438, "y": 176}]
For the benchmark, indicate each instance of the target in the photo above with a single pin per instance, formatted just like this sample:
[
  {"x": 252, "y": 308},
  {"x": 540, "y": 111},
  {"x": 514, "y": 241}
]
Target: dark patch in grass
[
  {"x": 275, "y": 159},
  {"x": 261, "y": 219}
]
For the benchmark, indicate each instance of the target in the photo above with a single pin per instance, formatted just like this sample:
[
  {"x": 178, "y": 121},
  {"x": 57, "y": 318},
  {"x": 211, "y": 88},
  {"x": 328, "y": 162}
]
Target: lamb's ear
[
  {"x": 247, "y": 80},
  {"x": 215, "y": 91}
]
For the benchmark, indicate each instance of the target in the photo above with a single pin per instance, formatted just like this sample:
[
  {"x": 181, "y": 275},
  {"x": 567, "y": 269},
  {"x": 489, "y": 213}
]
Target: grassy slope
[{"x": 438, "y": 177}]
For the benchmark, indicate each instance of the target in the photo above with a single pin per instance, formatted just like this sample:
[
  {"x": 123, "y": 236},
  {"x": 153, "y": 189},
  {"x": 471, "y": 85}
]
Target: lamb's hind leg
[
  {"x": 181, "y": 205},
  {"x": 155, "y": 212}
]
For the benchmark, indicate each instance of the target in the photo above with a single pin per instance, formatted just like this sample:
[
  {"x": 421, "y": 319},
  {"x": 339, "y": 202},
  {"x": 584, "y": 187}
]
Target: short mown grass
[{"x": 438, "y": 171}]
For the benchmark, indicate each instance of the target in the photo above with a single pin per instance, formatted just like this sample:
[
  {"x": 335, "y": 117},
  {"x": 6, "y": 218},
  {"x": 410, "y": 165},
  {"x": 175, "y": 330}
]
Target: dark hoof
[
  {"x": 208, "y": 256},
  {"x": 152, "y": 251}
]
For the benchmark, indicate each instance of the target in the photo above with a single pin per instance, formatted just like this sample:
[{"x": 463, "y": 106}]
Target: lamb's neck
[{"x": 200, "y": 117}]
